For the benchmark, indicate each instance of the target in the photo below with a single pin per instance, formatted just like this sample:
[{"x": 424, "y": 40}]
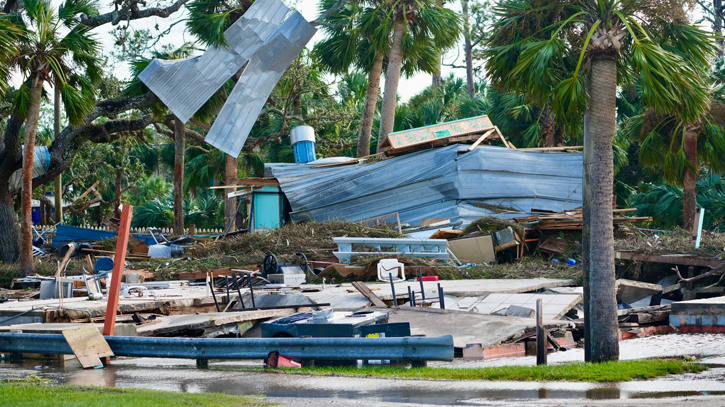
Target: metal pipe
[
  {"x": 409, "y": 348},
  {"x": 441, "y": 299},
  {"x": 239, "y": 291},
  {"x": 226, "y": 280},
  {"x": 392, "y": 287},
  {"x": 410, "y": 297},
  {"x": 251, "y": 291},
  {"x": 420, "y": 278},
  {"x": 413, "y": 293},
  {"x": 211, "y": 287}
]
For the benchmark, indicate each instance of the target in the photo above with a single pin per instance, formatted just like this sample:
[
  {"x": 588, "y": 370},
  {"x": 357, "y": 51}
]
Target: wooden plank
[
  {"x": 480, "y": 139},
  {"x": 564, "y": 148},
  {"x": 659, "y": 258},
  {"x": 119, "y": 263},
  {"x": 340, "y": 164},
  {"x": 66, "y": 258},
  {"x": 88, "y": 345},
  {"x": 439, "y": 131},
  {"x": 367, "y": 293},
  {"x": 267, "y": 182}
]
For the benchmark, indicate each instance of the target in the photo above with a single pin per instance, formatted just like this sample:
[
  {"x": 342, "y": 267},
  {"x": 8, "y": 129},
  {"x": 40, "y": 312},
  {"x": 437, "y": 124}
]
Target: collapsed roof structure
[{"x": 446, "y": 182}]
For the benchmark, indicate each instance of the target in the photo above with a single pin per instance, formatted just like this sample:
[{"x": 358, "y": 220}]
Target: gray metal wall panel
[
  {"x": 235, "y": 120},
  {"x": 185, "y": 85},
  {"x": 437, "y": 183}
]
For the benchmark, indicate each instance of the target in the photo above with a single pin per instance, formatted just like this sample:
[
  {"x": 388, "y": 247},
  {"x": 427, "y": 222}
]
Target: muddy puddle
[{"x": 180, "y": 375}]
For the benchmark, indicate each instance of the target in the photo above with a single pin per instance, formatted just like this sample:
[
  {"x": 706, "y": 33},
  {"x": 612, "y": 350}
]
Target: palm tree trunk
[
  {"x": 179, "y": 150},
  {"x": 371, "y": 101},
  {"x": 436, "y": 77},
  {"x": 689, "y": 182},
  {"x": 58, "y": 180},
  {"x": 31, "y": 127},
  {"x": 548, "y": 128},
  {"x": 230, "y": 178},
  {"x": 600, "y": 306},
  {"x": 469, "y": 49},
  {"x": 392, "y": 77}
]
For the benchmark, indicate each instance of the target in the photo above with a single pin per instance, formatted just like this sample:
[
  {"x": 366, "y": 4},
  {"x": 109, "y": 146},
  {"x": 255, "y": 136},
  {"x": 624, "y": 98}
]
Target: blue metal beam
[{"x": 410, "y": 348}]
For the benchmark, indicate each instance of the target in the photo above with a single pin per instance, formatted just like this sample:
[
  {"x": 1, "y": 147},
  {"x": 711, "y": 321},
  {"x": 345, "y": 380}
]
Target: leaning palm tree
[
  {"x": 43, "y": 53},
  {"x": 577, "y": 52},
  {"x": 423, "y": 21}
]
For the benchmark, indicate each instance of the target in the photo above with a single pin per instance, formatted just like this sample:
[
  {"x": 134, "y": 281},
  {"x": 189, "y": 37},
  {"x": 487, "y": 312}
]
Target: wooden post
[
  {"x": 119, "y": 261},
  {"x": 540, "y": 334}
]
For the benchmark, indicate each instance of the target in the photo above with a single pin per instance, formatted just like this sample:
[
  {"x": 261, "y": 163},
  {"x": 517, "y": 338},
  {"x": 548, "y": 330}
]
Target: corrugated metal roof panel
[
  {"x": 185, "y": 85},
  {"x": 440, "y": 183},
  {"x": 235, "y": 120}
]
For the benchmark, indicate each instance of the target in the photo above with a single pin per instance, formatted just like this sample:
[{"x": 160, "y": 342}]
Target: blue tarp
[{"x": 65, "y": 234}]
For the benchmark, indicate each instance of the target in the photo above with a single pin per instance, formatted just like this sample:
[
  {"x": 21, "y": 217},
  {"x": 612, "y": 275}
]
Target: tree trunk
[
  {"x": 10, "y": 236},
  {"x": 548, "y": 128},
  {"x": 600, "y": 306},
  {"x": 58, "y": 180},
  {"x": 468, "y": 49},
  {"x": 179, "y": 150},
  {"x": 371, "y": 101},
  {"x": 717, "y": 26},
  {"x": 117, "y": 189},
  {"x": 689, "y": 182},
  {"x": 392, "y": 77},
  {"x": 230, "y": 178},
  {"x": 31, "y": 127},
  {"x": 436, "y": 77}
]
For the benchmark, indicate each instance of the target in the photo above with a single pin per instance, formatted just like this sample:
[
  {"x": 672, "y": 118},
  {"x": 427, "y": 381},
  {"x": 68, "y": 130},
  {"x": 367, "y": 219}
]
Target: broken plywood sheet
[
  {"x": 179, "y": 323},
  {"x": 555, "y": 305},
  {"x": 630, "y": 291},
  {"x": 474, "y": 249},
  {"x": 468, "y": 328},
  {"x": 88, "y": 345}
]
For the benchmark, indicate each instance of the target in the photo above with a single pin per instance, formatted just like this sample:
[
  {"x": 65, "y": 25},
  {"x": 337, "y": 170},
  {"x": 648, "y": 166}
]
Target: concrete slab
[
  {"x": 555, "y": 305},
  {"x": 344, "y": 296},
  {"x": 469, "y": 328},
  {"x": 631, "y": 291}
]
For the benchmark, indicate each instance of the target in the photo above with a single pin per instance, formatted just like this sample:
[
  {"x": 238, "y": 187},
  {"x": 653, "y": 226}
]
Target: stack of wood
[{"x": 572, "y": 219}]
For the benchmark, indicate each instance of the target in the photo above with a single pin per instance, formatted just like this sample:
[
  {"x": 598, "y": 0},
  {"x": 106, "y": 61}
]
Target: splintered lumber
[
  {"x": 367, "y": 293},
  {"x": 573, "y": 219},
  {"x": 480, "y": 139},
  {"x": 88, "y": 345}
]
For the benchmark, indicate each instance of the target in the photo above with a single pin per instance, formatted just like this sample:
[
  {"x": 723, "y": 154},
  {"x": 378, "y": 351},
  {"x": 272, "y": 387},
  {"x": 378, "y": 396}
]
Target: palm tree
[
  {"x": 423, "y": 21},
  {"x": 678, "y": 148},
  {"x": 44, "y": 54},
  {"x": 578, "y": 52},
  {"x": 360, "y": 36}
]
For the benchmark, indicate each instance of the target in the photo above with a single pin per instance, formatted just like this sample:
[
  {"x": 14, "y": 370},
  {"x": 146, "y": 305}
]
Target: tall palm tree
[
  {"x": 359, "y": 36},
  {"x": 423, "y": 21},
  {"x": 43, "y": 53},
  {"x": 578, "y": 51}
]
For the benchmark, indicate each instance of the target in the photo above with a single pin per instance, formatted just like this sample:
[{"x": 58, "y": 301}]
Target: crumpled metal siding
[
  {"x": 240, "y": 111},
  {"x": 41, "y": 162},
  {"x": 185, "y": 85},
  {"x": 440, "y": 183}
]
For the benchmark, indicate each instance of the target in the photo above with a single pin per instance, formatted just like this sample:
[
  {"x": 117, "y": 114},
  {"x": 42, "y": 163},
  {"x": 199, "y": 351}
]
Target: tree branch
[
  {"x": 332, "y": 10},
  {"x": 116, "y": 17}
]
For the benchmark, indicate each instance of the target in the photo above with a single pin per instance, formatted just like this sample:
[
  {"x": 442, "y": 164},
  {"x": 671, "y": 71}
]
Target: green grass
[
  {"x": 571, "y": 372},
  {"x": 34, "y": 394}
]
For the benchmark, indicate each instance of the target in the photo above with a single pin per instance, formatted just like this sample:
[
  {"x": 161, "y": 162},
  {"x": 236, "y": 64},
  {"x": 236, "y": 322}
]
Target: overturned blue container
[{"x": 303, "y": 144}]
